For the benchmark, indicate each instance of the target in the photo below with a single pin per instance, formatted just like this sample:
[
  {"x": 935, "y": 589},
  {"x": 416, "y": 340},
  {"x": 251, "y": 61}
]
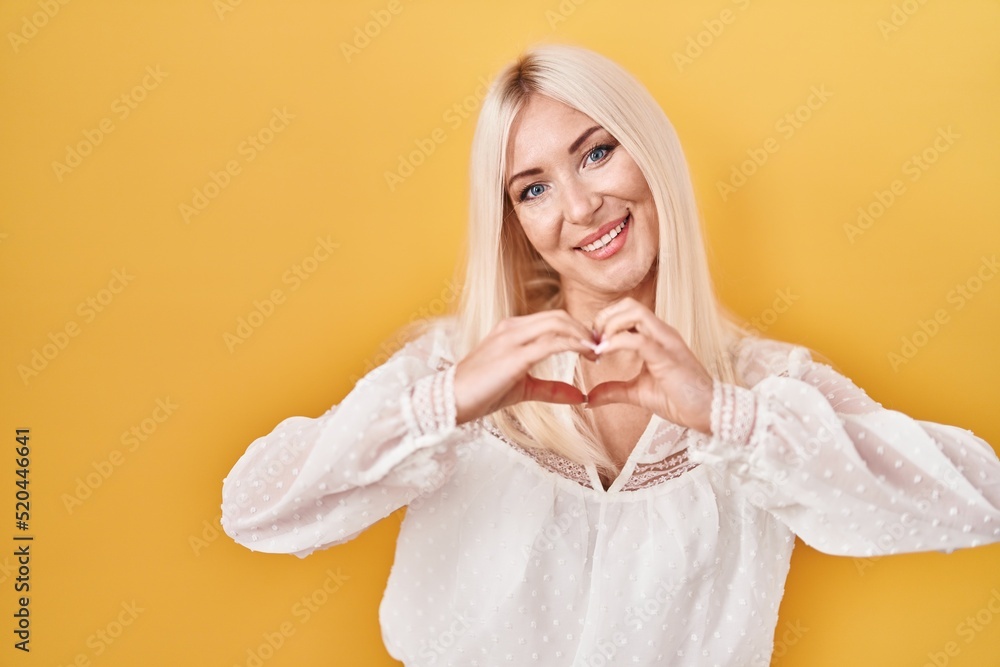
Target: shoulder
[{"x": 756, "y": 357}]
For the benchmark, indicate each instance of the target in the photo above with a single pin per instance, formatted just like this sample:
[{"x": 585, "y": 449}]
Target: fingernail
[
  {"x": 600, "y": 347},
  {"x": 589, "y": 343}
]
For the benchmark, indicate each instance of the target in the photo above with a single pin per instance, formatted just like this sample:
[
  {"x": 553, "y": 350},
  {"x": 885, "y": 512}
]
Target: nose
[{"x": 579, "y": 202}]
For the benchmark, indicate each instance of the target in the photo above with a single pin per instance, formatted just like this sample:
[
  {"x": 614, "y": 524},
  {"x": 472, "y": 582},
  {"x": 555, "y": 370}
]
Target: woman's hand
[
  {"x": 672, "y": 382},
  {"x": 495, "y": 373}
]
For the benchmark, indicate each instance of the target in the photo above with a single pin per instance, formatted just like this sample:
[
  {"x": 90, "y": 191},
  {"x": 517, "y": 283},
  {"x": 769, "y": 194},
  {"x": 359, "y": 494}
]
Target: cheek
[
  {"x": 629, "y": 182},
  {"x": 541, "y": 230},
  {"x": 637, "y": 187}
]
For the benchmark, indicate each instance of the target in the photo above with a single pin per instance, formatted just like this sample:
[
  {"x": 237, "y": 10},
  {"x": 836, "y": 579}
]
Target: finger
[
  {"x": 628, "y": 314},
  {"x": 553, "y": 343},
  {"x": 524, "y": 329},
  {"x": 601, "y": 318},
  {"x": 617, "y": 316},
  {"x": 638, "y": 318},
  {"x": 614, "y": 391},
  {"x": 625, "y": 314},
  {"x": 551, "y": 391},
  {"x": 650, "y": 351}
]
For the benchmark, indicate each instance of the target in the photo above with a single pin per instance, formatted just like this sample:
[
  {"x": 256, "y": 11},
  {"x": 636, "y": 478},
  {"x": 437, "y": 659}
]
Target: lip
[{"x": 604, "y": 229}]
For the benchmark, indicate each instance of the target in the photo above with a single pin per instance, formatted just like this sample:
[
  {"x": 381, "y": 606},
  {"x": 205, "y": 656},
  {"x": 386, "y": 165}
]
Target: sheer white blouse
[{"x": 514, "y": 556}]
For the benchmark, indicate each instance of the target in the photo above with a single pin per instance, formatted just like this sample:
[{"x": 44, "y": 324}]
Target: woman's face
[{"x": 570, "y": 183}]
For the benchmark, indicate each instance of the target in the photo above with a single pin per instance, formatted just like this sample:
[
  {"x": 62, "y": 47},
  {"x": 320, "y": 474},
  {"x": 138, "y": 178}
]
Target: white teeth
[{"x": 606, "y": 239}]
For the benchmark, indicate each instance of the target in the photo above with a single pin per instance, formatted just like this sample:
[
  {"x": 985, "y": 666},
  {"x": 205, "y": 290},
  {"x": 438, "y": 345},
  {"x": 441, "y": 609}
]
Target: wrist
[{"x": 733, "y": 413}]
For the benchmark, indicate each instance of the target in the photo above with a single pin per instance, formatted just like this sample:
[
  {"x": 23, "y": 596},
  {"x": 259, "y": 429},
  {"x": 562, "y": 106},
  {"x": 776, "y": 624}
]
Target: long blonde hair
[{"x": 504, "y": 276}]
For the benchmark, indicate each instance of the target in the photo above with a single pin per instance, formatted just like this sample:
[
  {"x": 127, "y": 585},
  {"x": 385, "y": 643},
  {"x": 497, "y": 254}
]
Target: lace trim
[
  {"x": 644, "y": 476},
  {"x": 732, "y": 413},
  {"x": 647, "y": 475},
  {"x": 547, "y": 459},
  {"x": 429, "y": 405}
]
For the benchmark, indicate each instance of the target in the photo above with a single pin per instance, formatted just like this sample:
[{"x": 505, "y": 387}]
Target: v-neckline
[{"x": 641, "y": 445}]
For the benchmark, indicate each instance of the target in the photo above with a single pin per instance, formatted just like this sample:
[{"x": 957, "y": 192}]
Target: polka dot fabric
[{"x": 515, "y": 556}]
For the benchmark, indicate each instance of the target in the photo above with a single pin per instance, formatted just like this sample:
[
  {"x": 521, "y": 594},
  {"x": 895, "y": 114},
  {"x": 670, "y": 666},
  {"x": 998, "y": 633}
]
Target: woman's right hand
[{"x": 495, "y": 373}]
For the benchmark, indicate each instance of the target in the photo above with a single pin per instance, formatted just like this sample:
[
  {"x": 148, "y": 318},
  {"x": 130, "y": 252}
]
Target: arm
[
  {"x": 845, "y": 474},
  {"x": 312, "y": 483}
]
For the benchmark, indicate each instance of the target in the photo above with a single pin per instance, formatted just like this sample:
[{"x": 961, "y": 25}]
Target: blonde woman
[{"x": 600, "y": 466}]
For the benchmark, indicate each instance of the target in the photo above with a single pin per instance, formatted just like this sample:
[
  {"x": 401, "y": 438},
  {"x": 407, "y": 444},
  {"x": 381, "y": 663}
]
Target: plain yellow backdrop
[{"x": 171, "y": 170}]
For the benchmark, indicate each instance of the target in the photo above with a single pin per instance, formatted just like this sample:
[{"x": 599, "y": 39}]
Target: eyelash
[{"x": 610, "y": 147}]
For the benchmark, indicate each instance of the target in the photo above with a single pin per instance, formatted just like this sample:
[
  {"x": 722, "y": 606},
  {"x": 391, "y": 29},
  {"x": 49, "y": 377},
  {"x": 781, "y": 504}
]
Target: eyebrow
[{"x": 572, "y": 149}]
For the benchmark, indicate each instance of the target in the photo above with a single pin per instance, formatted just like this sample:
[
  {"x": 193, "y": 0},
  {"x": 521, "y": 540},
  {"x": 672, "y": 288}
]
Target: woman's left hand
[{"x": 672, "y": 382}]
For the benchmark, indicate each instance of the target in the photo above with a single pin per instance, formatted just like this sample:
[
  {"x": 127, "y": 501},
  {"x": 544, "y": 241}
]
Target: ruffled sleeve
[
  {"x": 845, "y": 474},
  {"x": 314, "y": 482}
]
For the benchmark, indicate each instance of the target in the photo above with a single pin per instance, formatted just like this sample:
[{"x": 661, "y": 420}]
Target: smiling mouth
[{"x": 607, "y": 238}]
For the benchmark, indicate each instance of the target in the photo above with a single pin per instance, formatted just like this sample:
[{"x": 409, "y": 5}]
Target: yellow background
[{"x": 147, "y": 534}]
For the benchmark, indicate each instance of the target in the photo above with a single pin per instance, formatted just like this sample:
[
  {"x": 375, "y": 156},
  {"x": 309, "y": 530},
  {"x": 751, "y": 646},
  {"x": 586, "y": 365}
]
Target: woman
[{"x": 600, "y": 466}]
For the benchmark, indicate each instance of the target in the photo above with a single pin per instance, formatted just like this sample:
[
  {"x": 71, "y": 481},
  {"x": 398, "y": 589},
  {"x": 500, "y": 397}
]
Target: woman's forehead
[
  {"x": 541, "y": 127},
  {"x": 547, "y": 115}
]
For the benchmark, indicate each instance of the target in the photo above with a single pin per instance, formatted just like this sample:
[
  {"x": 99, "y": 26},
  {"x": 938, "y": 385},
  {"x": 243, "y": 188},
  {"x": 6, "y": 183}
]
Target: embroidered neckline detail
[
  {"x": 644, "y": 475},
  {"x": 547, "y": 459}
]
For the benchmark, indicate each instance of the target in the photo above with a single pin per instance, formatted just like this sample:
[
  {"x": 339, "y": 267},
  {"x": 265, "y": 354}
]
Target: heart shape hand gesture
[{"x": 672, "y": 382}]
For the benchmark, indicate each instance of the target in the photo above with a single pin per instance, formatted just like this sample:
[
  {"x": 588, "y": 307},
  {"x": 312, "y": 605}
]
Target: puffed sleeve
[
  {"x": 846, "y": 475},
  {"x": 312, "y": 483}
]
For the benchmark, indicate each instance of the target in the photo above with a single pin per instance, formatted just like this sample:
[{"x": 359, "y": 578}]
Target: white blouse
[{"x": 515, "y": 556}]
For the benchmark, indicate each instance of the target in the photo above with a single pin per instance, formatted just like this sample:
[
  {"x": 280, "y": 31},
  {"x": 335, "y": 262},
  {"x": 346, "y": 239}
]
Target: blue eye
[
  {"x": 532, "y": 191},
  {"x": 601, "y": 150}
]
